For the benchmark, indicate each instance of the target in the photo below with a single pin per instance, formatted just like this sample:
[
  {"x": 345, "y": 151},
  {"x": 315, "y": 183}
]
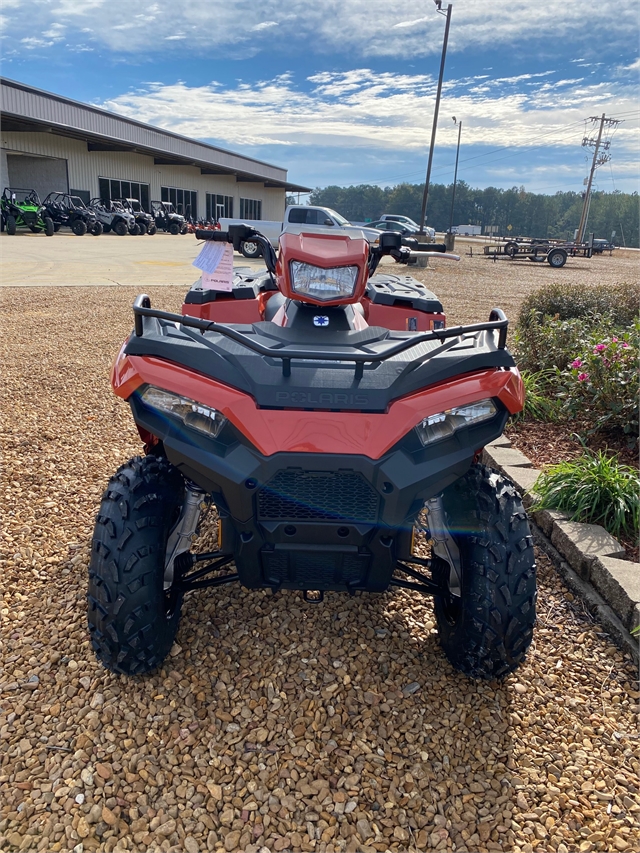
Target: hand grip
[
  {"x": 415, "y": 246},
  {"x": 216, "y": 236}
]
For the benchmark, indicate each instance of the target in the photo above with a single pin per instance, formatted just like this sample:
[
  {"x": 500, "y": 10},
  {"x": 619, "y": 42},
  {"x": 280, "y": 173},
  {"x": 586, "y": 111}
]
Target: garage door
[{"x": 42, "y": 174}]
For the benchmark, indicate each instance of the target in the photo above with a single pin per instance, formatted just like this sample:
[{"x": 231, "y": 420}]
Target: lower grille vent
[{"x": 295, "y": 495}]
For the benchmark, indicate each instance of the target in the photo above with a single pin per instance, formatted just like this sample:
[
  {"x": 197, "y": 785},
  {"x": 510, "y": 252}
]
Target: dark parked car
[{"x": 388, "y": 225}]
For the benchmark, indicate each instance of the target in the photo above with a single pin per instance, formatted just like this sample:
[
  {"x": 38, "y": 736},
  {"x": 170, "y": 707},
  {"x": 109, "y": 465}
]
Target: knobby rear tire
[
  {"x": 486, "y": 632},
  {"x": 132, "y": 620}
]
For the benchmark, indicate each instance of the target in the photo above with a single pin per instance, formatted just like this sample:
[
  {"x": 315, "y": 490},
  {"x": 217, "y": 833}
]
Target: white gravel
[{"x": 274, "y": 725}]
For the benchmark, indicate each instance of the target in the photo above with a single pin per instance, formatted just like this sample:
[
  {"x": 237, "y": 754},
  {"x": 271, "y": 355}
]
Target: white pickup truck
[{"x": 296, "y": 214}]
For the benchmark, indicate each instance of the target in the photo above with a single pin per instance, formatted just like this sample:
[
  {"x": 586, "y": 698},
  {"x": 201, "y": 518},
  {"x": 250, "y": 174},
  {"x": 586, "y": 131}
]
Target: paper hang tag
[
  {"x": 209, "y": 257},
  {"x": 221, "y": 278}
]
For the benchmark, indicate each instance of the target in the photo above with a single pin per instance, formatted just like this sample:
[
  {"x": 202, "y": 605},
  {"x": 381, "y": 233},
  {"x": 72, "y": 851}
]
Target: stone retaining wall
[{"x": 587, "y": 556}]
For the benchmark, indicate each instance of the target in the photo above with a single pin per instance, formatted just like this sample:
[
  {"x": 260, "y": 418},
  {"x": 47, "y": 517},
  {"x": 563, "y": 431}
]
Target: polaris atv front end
[{"x": 325, "y": 444}]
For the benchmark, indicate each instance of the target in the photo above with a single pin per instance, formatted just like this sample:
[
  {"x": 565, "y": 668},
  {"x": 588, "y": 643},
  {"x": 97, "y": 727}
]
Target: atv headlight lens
[
  {"x": 444, "y": 424},
  {"x": 194, "y": 415},
  {"x": 324, "y": 285}
]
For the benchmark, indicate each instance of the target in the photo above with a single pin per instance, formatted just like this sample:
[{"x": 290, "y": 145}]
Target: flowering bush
[
  {"x": 584, "y": 356},
  {"x": 603, "y": 382}
]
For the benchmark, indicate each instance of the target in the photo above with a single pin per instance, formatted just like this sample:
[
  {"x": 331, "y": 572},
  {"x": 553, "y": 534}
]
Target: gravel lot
[{"x": 275, "y": 725}]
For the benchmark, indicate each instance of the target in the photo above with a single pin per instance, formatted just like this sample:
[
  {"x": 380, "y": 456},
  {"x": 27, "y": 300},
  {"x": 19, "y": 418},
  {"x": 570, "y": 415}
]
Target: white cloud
[
  {"x": 357, "y": 27},
  {"x": 393, "y": 112}
]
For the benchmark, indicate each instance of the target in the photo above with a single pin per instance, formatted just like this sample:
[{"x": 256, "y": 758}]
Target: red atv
[{"x": 328, "y": 414}]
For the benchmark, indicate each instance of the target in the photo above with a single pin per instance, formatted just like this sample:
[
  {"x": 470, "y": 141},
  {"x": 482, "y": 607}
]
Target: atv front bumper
[{"x": 320, "y": 521}]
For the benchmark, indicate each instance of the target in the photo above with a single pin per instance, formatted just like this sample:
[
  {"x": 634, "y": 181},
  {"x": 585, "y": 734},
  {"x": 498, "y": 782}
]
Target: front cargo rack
[{"x": 142, "y": 308}]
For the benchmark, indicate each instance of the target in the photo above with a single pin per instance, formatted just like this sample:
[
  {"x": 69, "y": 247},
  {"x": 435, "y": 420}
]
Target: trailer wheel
[
  {"x": 485, "y": 633},
  {"x": 557, "y": 258},
  {"x": 132, "y": 619},
  {"x": 511, "y": 248},
  {"x": 12, "y": 225},
  {"x": 251, "y": 249}
]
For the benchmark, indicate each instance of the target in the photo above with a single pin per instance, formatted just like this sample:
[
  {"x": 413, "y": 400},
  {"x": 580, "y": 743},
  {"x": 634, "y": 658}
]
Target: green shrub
[
  {"x": 596, "y": 488},
  {"x": 603, "y": 382},
  {"x": 539, "y": 404},
  {"x": 546, "y": 345},
  {"x": 582, "y": 346},
  {"x": 568, "y": 302}
]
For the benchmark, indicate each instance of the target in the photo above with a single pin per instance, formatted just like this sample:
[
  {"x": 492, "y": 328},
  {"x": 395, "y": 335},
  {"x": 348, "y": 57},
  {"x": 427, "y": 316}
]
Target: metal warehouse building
[{"x": 53, "y": 143}]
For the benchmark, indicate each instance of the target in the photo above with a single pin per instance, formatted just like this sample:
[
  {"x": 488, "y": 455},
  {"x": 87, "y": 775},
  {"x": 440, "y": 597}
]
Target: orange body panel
[
  {"x": 398, "y": 317},
  {"x": 225, "y": 310},
  {"x": 299, "y": 431}
]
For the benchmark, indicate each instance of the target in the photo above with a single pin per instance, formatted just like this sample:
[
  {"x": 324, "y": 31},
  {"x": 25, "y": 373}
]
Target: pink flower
[
  {"x": 615, "y": 340},
  {"x": 600, "y": 348},
  {"x": 625, "y": 345},
  {"x": 577, "y": 363},
  {"x": 583, "y": 377}
]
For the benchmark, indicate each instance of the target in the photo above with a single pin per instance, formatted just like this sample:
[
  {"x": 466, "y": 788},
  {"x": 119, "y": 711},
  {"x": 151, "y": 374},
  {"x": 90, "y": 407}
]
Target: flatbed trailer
[{"x": 554, "y": 252}]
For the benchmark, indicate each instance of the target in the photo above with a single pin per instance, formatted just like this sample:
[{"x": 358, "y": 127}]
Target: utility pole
[
  {"x": 423, "y": 214},
  {"x": 455, "y": 173},
  {"x": 589, "y": 142}
]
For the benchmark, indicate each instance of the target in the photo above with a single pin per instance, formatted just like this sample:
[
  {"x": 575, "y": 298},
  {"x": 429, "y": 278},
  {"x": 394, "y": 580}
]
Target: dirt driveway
[{"x": 275, "y": 724}]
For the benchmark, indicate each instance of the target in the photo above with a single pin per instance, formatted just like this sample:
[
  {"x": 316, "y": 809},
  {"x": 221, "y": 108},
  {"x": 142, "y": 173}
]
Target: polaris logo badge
[
  {"x": 323, "y": 398},
  {"x": 321, "y": 320}
]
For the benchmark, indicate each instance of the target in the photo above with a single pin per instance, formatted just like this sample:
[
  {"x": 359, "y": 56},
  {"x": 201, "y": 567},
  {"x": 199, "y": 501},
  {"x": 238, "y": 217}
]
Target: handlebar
[{"x": 215, "y": 236}]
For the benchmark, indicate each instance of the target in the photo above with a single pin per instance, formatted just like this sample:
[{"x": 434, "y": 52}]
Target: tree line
[{"x": 528, "y": 214}]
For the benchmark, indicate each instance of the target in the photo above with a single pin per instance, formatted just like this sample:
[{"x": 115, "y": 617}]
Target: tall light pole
[
  {"x": 455, "y": 173},
  {"x": 423, "y": 214}
]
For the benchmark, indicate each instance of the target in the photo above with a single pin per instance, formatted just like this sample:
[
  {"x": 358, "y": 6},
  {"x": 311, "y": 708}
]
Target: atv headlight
[
  {"x": 194, "y": 415},
  {"x": 325, "y": 285},
  {"x": 444, "y": 424}
]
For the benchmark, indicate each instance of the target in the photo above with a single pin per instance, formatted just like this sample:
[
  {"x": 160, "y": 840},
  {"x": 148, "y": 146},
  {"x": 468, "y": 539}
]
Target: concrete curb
[{"x": 586, "y": 556}]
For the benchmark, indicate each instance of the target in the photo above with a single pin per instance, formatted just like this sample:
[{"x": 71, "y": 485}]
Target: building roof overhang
[{"x": 26, "y": 109}]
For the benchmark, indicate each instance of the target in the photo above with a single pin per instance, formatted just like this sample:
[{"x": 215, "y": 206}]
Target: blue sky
[{"x": 343, "y": 92}]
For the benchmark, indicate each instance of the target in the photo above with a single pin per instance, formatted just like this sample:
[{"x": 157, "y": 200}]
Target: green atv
[{"x": 22, "y": 208}]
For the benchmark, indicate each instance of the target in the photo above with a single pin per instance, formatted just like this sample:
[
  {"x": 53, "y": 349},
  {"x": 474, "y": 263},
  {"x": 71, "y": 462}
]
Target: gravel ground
[{"x": 274, "y": 725}]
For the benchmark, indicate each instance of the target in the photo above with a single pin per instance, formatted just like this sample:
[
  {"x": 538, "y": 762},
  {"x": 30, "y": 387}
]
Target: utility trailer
[{"x": 554, "y": 252}]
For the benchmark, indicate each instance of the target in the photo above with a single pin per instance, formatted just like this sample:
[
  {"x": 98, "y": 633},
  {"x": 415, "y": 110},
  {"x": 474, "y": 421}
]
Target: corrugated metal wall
[
  {"x": 24, "y": 101},
  {"x": 85, "y": 167}
]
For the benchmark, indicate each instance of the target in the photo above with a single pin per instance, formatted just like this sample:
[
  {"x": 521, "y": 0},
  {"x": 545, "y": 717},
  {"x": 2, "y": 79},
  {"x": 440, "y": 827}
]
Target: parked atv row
[{"x": 22, "y": 208}]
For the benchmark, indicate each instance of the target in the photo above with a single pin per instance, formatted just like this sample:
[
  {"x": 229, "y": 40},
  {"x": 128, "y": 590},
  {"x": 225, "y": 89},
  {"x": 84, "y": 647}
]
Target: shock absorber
[{"x": 182, "y": 534}]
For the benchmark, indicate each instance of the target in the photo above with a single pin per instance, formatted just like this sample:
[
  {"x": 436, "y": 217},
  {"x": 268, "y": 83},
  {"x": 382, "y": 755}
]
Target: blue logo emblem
[{"x": 320, "y": 320}]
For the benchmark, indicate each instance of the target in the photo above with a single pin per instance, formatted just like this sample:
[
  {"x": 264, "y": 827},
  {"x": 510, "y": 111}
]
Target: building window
[
  {"x": 110, "y": 189},
  {"x": 185, "y": 202},
  {"x": 219, "y": 206},
  {"x": 250, "y": 208}
]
